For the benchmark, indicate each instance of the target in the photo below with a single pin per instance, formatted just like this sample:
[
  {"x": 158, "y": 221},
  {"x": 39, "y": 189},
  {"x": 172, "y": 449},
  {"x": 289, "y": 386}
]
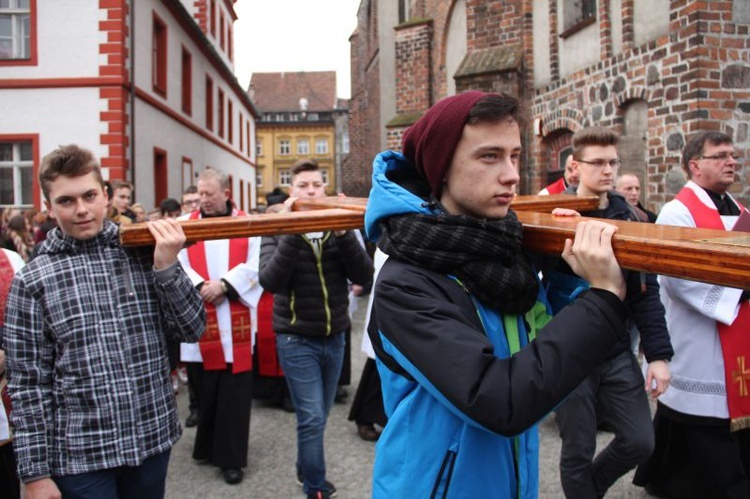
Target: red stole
[
  {"x": 210, "y": 342},
  {"x": 735, "y": 341},
  {"x": 557, "y": 187},
  {"x": 268, "y": 360},
  {"x": 6, "y": 277}
]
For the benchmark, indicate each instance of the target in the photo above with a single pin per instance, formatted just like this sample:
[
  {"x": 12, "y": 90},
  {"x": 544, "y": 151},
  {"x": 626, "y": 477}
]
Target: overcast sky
[{"x": 294, "y": 35}]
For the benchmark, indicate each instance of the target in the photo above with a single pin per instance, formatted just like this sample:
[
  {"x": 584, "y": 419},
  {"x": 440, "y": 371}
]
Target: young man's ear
[{"x": 48, "y": 206}]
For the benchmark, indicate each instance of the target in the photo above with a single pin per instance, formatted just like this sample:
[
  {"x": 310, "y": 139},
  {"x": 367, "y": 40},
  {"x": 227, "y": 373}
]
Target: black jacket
[{"x": 311, "y": 289}]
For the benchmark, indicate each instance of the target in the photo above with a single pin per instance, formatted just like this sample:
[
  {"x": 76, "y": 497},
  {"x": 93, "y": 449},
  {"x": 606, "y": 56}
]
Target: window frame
[
  {"x": 285, "y": 147},
  {"x": 321, "y": 150},
  {"x": 285, "y": 177},
  {"x": 220, "y": 125},
  {"x": 187, "y": 81},
  {"x": 32, "y": 59},
  {"x": 209, "y": 103},
  {"x": 159, "y": 55},
  {"x": 16, "y": 163},
  {"x": 303, "y": 150}
]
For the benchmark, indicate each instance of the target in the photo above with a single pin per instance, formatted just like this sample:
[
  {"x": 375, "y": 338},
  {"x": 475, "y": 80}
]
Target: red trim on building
[
  {"x": 185, "y": 160},
  {"x": 201, "y": 14},
  {"x": 230, "y": 122},
  {"x": 187, "y": 81},
  {"x": 161, "y": 175},
  {"x": 113, "y": 83},
  {"x": 220, "y": 127},
  {"x": 95, "y": 81},
  {"x": 160, "y": 106},
  {"x": 159, "y": 55}
]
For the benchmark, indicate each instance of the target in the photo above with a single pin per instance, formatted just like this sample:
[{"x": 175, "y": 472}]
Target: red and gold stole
[
  {"x": 210, "y": 343},
  {"x": 735, "y": 340}
]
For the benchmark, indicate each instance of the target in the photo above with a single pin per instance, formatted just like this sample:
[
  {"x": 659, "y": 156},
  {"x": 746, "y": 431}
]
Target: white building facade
[{"x": 148, "y": 86}]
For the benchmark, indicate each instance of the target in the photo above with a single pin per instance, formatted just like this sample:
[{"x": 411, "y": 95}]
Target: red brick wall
[{"x": 114, "y": 45}]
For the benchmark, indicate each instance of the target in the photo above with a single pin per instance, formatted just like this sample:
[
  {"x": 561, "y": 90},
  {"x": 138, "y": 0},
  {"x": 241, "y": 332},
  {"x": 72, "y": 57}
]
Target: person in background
[
  {"x": 84, "y": 334},
  {"x": 122, "y": 197},
  {"x": 139, "y": 211},
  {"x": 615, "y": 393},
  {"x": 468, "y": 357},
  {"x": 191, "y": 200},
  {"x": 268, "y": 381},
  {"x": 309, "y": 275},
  {"x": 569, "y": 179},
  {"x": 10, "y": 486},
  {"x": 226, "y": 273},
  {"x": 629, "y": 186},
  {"x": 20, "y": 237},
  {"x": 701, "y": 423},
  {"x": 170, "y": 208}
]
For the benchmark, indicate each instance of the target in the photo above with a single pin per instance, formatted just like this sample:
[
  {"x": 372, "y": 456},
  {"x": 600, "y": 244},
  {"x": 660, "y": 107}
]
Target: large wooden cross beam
[{"x": 705, "y": 255}]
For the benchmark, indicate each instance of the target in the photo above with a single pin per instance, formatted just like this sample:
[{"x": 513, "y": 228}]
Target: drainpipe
[{"x": 131, "y": 170}]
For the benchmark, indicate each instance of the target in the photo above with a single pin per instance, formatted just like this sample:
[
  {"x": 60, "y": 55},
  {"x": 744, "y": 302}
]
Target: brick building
[
  {"x": 301, "y": 118},
  {"x": 654, "y": 70},
  {"x": 148, "y": 86}
]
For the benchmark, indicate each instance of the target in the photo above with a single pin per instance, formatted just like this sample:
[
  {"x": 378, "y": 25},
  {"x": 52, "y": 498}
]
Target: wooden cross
[
  {"x": 741, "y": 376},
  {"x": 704, "y": 255}
]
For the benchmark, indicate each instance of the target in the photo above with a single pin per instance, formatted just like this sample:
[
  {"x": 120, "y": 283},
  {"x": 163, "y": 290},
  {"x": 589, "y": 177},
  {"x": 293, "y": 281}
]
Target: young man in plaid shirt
[{"x": 85, "y": 335}]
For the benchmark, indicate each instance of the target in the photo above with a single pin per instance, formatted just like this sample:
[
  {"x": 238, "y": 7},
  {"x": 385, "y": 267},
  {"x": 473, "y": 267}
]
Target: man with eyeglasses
[
  {"x": 615, "y": 394},
  {"x": 702, "y": 440},
  {"x": 191, "y": 200}
]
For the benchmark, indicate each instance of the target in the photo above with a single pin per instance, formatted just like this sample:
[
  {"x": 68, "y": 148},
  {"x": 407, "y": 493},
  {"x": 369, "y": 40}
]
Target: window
[
  {"x": 16, "y": 173},
  {"x": 313, "y": 117},
  {"x": 209, "y": 103},
  {"x": 222, "y": 36},
  {"x": 187, "y": 82},
  {"x": 303, "y": 146},
  {"x": 345, "y": 144},
  {"x": 161, "y": 188},
  {"x": 242, "y": 194},
  {"x": 15, "y": 29},
  {"x": 159, "y": 56},
  {"x": 285, "y": 147},
  {"x": 230, "y": 121},
  {"x": 187, "y": 173},
  {"x": 212, "y": 15},
  {"x": 221, "y": 113},
  {"x": 403, "y": 11},
  {"x": 321, "y": 146},
  {"x": 230, "y": 178},
  {"x": 258, "y": 180},
  {"x": 240, "y": 134},
  {"x": 259, "y": 148},
  {"x": 577, "y": 14},
  {"x": 230, "y": 47},
  {"x": 285, "y": 177},
  {"x": 324, "y": 175},
  {"x": 247, "y": 138}
]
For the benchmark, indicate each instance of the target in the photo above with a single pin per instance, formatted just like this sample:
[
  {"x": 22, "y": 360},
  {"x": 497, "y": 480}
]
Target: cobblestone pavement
[{"x": 272, "y": 452}]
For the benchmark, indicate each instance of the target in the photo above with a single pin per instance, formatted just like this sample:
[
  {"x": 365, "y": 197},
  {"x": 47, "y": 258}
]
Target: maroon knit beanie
[{"x": 430, "y": 142}]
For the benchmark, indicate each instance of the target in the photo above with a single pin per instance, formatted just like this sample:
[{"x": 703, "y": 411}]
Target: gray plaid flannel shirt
[{"x": 85, "y": 337}]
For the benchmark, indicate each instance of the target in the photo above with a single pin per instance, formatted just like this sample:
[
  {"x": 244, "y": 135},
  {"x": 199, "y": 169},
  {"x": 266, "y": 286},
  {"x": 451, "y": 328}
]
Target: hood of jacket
[{"x": 397, "y": 189}]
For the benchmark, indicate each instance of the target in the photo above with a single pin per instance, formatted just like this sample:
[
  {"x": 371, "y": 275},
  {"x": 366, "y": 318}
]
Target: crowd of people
[{"x": 471, "y": 340}]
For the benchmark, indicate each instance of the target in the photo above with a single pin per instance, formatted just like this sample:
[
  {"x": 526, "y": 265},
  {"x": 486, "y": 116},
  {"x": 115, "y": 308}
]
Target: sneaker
[
  {"x": 175, "y": 383},
  {"x": 182, "y": 375},
  {"x": 330, "y": 488}
]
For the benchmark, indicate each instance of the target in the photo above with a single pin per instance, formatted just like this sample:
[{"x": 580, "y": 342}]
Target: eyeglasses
[
  {"x": 721, "y": 156},
  {"x": 601, "y": 163}
]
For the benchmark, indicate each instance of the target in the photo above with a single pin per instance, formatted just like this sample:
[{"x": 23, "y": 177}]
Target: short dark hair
[
  {"x": 694, "y": 146},
  {"x": 493, "y": 108},
  {"x": 121, "y": 184},
  {"x": 593, "y": 136},
  {"x": 69, "y": 161},
  {"x": 305, "y": 165},
  {"x": 169, "y": 204},
  {"x": 191, "y": 189}
]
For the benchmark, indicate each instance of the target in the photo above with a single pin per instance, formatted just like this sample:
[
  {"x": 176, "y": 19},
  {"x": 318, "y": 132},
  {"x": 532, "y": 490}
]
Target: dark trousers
[
  {"x": 224, "y": 417},
  {"x": 146, "y": 481},
  {"x": 696, "y": 457},
  {"x": 194, "y": 372},
  {"x": 616, "y": 389},
  {"x": 9, "y": 484}
]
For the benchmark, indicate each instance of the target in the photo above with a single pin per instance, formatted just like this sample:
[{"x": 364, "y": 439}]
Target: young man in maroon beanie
[{"x": 468, "y": 355}]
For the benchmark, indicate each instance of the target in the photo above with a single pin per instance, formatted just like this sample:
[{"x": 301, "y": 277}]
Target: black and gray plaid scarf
[{"x": 485, "y": 255}]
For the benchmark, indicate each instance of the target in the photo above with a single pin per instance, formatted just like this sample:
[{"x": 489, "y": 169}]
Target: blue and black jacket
[{"x": 463, "y": 384}]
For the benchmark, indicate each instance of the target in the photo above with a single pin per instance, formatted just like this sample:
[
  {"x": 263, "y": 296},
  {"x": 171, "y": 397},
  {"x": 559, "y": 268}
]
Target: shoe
[
  {"x": 341, "y": 394},
  {"x": 319, "y": 494},
  {"x": 368, "y": 432},
  {"x": 330, "y": 488},
  {"x": 232, "y": 475},
  {"x": 175, "y": 383},
  {"x": 191, "y": 420}
]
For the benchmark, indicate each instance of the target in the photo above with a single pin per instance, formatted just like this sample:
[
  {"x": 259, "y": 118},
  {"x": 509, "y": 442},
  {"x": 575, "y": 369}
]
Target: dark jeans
[
  {"x": 146, "y": 481},
  {"x": 616, "y": 390}
]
